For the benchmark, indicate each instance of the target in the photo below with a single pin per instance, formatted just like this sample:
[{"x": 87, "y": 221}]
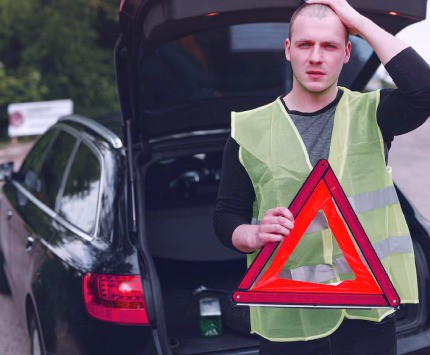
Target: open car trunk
[{"x": 180, "y": 195}]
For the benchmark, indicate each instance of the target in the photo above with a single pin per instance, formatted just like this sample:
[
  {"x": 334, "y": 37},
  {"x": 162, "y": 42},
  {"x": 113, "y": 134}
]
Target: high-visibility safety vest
[{"x": 275, "y": 157}]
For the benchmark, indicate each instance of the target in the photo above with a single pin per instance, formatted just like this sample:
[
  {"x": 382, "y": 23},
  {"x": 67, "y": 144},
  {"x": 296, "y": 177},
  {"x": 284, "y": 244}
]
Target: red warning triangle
[{"x": 320, "y": 192}]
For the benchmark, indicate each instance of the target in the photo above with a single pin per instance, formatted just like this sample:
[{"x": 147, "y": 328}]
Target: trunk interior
[
  {"x": 182, "y": 306},
  {"x": 180, "y": 197}
]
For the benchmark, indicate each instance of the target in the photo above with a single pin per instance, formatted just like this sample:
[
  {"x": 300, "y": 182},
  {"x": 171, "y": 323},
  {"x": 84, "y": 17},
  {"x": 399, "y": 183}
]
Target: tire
[
  {"x": 4, "y": 286},
  {"x": 235, "y": 317},
  {"x": 36, "y": 343}
]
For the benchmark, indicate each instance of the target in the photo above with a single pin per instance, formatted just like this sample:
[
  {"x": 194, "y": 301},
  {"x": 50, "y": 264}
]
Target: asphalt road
[
  {"x": 409, "y": 157},
  {"x": 13, "y": 336},
  {"x": 410, "y": 160}
]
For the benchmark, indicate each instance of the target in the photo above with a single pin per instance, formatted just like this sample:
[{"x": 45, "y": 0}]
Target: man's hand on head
[
  {"x": 350, "y": 17},
  {"x": 385, "y": 45}
]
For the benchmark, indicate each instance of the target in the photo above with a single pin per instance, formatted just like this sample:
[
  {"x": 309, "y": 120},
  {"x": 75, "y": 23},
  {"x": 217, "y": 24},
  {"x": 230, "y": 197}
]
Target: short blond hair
[{"x": 314, "y": 10}]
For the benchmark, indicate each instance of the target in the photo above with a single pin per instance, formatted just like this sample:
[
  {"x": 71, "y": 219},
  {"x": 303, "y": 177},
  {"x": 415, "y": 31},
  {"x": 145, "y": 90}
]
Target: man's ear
[
  {"x": 347, "y": 52},
  {"x": 287, "y": 49}
]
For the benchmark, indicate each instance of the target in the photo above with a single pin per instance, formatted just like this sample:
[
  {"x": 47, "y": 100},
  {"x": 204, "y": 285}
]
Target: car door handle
[
  {"x": 29, "y": 243},
  {"x": 9, "y": 214}
]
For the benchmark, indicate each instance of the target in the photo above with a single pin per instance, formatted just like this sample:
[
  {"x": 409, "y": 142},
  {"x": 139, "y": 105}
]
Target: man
[{"x": 273, "y": 149}]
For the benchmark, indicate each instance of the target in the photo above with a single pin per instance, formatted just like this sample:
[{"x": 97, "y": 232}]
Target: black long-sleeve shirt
[{"x": 399, "y": 111}]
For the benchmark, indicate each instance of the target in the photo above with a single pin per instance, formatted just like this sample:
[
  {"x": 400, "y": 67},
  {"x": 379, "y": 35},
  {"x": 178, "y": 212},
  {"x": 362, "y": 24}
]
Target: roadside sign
[
  {"x": 33, "y": 118},
  {"x": 263, "y": 286}
]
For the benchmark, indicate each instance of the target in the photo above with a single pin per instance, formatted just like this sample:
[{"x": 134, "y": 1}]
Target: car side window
[
  {"x": 52, "y": 171},
  {"x": 78, "y": 205},
  {"x": 31, "y": 166}
]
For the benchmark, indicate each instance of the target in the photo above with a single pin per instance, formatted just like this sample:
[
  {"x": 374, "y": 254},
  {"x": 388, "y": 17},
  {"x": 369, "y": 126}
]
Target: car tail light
[
  {"x": 115, "y": 298},
  {"x": 121, "y": 5}
]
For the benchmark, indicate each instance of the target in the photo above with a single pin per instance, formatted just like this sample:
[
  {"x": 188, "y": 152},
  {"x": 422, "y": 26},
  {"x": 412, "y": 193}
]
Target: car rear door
[{"x": 30, "y": 208}]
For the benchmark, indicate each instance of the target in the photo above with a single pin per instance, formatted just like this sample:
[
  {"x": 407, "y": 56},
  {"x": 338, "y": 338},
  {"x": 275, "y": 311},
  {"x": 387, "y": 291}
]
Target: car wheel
[
  {"x": 4, "y": 286},
  {"x": 36, "y": 344}
]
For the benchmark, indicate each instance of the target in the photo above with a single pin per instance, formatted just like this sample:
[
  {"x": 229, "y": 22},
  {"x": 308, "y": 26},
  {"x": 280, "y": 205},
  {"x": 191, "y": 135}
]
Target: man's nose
[{"x": 315, "y": 55}]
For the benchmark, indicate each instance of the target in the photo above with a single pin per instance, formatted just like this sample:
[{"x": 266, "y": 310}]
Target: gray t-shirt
[{"x": 315, "y": 130}]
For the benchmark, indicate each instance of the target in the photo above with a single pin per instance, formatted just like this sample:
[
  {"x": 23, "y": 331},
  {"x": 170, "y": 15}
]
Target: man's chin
[{"x": 317, "y": 88}]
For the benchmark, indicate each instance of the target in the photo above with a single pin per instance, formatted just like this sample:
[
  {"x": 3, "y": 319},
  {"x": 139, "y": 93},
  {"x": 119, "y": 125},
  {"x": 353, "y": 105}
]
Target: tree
[{"x": 56, "y": 49}]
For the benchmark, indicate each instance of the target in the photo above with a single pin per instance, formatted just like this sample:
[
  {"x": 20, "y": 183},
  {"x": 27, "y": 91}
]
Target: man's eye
[{"x": 304, "y": 44}]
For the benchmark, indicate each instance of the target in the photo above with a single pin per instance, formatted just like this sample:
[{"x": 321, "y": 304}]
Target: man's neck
[{"x": 305, "y": 101}]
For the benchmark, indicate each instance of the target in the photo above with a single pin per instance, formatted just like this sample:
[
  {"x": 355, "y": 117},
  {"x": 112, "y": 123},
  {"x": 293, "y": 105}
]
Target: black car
[
  {"x": 65, "y": 251},
  {"x": 107, "y": 244}
]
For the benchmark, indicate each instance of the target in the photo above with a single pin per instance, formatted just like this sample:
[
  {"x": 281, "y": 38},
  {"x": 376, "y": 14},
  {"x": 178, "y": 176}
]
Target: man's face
[{"x": 317, "y": 52}]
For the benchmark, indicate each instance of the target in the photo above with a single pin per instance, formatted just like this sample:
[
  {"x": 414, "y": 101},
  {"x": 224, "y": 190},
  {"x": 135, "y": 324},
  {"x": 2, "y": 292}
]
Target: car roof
[{"x": 108, "y": 126}]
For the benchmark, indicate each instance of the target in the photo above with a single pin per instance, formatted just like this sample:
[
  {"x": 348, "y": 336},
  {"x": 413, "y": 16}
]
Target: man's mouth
[{"x": 315, "y": 74}]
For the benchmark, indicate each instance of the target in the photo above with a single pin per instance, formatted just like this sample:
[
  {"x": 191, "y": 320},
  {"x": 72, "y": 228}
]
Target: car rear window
[
  {"x": 237, "y": 61},
  {"x": 54, "y": 165},
  {"x": 79, "y": 202}
]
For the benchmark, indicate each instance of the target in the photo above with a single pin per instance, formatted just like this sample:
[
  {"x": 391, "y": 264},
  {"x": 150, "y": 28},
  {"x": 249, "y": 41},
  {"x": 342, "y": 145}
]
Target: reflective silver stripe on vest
[
  {"x": 323, "y": 273},
  {"x": 342, "y": 266},
  {"x": 316, "y": 274},
  {"x": 372, "y": 200},
  {"x": 318, "y": 223},
  {"x": 384, "y": 248},
  {"x": 394, "y": 245},
  {"x": 361, "y": 203}
]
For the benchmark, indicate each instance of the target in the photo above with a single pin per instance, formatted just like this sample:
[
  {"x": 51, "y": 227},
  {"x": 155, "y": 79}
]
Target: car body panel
[{"x": 20, "y": 214}]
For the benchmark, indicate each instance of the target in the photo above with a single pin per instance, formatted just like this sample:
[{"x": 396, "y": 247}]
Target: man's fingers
[
  {"x": 265, "y": 238},
  {"x": 280, "y": 211},
  {"x": 280, "y": 220},
  {"x": 347, "y": 14},
  {"x": 287, "y": 223},
  {"x": 276, "y": 224},
  {"x": 277, "y": 229}
]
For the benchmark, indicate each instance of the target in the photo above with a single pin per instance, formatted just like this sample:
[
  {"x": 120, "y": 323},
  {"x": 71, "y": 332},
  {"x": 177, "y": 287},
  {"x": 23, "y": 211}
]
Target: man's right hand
[
  {"x": 347, "y": 14},
  {"x": 385, "y": 45},
  {"x": 274, "y": 226}
]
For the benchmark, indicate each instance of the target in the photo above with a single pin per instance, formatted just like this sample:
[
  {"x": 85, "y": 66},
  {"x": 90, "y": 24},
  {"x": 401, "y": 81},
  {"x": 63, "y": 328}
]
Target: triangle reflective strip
[{"x": 320, "y": 191}]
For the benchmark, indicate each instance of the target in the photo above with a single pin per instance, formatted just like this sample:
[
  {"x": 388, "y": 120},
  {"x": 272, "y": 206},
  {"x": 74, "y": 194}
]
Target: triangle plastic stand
[{"x": 262, "y": 286}]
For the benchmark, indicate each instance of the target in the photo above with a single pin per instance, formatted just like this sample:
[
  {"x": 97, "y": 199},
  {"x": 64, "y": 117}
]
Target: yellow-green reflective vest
[{"x": 275, "y": 157}]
